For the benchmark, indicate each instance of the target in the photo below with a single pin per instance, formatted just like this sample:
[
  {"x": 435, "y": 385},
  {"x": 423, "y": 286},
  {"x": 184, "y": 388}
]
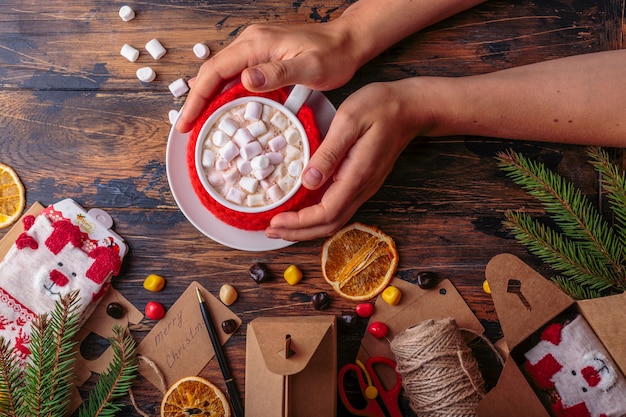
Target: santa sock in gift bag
[
  {"x": 50, "y": 259},
  {"x": 573, "y": 368}
]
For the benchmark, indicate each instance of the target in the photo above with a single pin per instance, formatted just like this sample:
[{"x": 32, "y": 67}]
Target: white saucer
[{"x": 200, "y": 216}]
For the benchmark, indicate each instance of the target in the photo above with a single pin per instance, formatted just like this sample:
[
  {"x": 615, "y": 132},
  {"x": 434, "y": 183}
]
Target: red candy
[
  {"x": 378, "y": 329},
  {"x": 155, "y": 311},
  {"x": 364, "y": 310}
]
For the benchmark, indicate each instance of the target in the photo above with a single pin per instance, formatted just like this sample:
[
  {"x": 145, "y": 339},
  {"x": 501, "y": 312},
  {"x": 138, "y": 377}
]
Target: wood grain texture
[{"x": 76, "y": 123}]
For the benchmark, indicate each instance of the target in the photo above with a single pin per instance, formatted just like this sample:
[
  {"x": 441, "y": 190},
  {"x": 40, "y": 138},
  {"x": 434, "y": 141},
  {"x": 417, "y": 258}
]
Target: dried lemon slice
[
  {"x": 12, "y": 196},
  {"x": 194, "y": 395},
  {"x": 359, "y": 261}
]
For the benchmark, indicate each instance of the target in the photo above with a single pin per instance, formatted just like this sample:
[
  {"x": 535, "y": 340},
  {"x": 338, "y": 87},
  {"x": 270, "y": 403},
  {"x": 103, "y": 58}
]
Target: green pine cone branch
[
  {"x": 586, "y": 251},
  {"x": 116, "y": 381}
]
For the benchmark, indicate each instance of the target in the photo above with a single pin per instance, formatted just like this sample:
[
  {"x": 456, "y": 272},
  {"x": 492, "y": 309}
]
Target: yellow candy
[
  {"x": 392, "y": 295},
  {"x": 228, "y": 294},
  {"x": 486, "y": 287},
  {"x": 154, "y": 283},
  {"x": 292, "y": 275}
]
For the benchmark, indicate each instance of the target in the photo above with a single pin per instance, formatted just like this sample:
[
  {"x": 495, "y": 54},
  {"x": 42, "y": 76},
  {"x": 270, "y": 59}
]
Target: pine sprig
[
  {"x": 586, "y": 251},
  {"x": 10, "y": 377},
  {"x": 116, "y": 381}
]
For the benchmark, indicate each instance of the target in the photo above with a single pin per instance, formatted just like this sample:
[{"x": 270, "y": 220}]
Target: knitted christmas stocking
[
  {"x": 572, "y": 366},
  {"x": 47, "y": 261}
]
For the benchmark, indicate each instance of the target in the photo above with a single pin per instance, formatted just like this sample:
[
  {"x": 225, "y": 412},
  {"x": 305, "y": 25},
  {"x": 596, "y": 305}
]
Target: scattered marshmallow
[
  {"x": 261, "y": 174},
  {"x": 243, "y": 136},
  {"x": 201, "y": 51},
  {"x": 257, "y": 199},
  {"x": 146, "y": 74},
  {"x": 249, "y": 184},
  {"x": 228, "y": 126},
  {"x": 126, "y": 13},
  {"x": 250, "y": 150},
  {"x": 220, "y": 138},
  {"x": 229, "y": 151},
  {"x": 257, "y": 128},
  {"x": 245, "y": 167},
  {"x": 173, "y": 115},
  {"x": 275, "y": 193},
  {"x": 253, "y": 111},
  {"x": 275, "y": 158},
  {"x": 286, "y": 183},
  {"x": 222, "y": 165},
  {"x": 236, "y": 196},
  {"x": 279, "y": 120},
  {"x": 295, "y": 168},
  {"x": 260, "y": 162},
  {"x": 129, "y": 52},
  {"x": 293, "y": 136},
  {"x": 277, "y": 143},
  {"x": 178, "y": 87},
  {"x": 155, "y": 49},
  {"x": 208, "y": 158}
]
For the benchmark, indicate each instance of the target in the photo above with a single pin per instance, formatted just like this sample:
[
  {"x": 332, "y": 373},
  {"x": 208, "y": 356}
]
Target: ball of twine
[{"x": 440, "y": 375}]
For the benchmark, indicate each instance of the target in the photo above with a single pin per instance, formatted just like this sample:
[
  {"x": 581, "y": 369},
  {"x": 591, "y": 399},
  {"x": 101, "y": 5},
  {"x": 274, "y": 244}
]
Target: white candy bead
[
  {"x": 293, "y": 136},
  {"x": 146, "y": 74},
  {"x": 201, "y": 51},
  {"x": 278, "y": 143},
  {"x": 178, "y": 87},
  {"x": 257, "y": 128},
  {"x": 248, "y": 184},
  {"x": 129, "y": 52},
  {"x": 295, "y": 168},
  {"x": 243, "y": 137},
  {"x": 229, "y": 151},
  {"x": 253, "y": 111},
  {"x": 250, "y": 150},
  {"x": 228, "y": 126},
  {"x": 173, "y": 115},
  {"x": 236, "y": 196},
  {"x": 208, "y": 158},
  {"x": 275, "y": 157},
  {"x": 220, "y": 138},
  {"x": 155, "y": 49},
  {"x": 126, "y": 13},
  {"x": 260, "y": 162},
  {"x": 275, "y": 193}
]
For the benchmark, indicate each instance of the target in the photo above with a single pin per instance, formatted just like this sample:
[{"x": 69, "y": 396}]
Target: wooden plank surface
[{"x": 76, "y": 123}]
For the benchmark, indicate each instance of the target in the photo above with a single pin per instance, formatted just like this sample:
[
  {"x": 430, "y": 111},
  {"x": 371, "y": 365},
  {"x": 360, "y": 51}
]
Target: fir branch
[
  {"x": 10, "y": 376},
  {"x": 116, "y": 381},
  {"x": 576, "y": 290},
  {"x": 577, "y": 218}
]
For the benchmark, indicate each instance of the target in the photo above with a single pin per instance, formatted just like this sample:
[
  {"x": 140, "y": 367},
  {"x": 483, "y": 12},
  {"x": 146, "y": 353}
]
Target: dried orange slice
[
  {"x": 359, "y": 261},
  {"x": 193, "y": 395},
  {"x": 12, "y": 196}
]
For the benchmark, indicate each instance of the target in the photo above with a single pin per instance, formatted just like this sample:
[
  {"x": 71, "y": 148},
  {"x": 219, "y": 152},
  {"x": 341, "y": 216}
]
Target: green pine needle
[{"x": 587, "y": 253}]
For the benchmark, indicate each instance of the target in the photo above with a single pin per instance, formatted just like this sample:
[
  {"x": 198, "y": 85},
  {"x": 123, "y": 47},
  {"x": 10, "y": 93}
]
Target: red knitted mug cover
[{"x": 251, "y": 221}]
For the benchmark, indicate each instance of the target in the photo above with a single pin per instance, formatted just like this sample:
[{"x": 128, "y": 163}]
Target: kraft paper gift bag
[{"x": 291, "y": 367}]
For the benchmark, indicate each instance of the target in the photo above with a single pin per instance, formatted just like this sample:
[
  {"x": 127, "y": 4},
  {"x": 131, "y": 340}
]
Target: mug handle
[{"x": 298, "y": 95}]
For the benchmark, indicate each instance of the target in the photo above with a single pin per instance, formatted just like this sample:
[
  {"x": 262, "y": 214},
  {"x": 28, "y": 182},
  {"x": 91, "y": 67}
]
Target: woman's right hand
[{"x": 320, "y": 56}]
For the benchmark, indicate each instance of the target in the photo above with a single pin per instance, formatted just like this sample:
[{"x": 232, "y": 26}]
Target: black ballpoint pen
[{"x": 235, "y": 400}]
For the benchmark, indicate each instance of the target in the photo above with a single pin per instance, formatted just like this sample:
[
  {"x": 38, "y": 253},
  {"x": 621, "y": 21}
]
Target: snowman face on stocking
[{"x": 570, "y": 363}]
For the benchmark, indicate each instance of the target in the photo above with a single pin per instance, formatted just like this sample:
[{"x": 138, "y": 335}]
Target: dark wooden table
[{"x": 76, "y": 123}]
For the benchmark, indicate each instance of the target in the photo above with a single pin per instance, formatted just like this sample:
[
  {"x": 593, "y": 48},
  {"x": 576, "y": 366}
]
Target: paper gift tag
[{"x": 179, "y": 345}]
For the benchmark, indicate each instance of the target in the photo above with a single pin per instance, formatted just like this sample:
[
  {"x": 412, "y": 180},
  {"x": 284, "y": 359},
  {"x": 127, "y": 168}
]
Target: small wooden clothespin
[{"x": 286, "y": 353}]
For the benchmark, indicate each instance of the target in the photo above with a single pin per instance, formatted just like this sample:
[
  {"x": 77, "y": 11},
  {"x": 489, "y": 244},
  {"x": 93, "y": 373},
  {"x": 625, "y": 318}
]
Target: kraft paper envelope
[{"x": 291, "y": 367}]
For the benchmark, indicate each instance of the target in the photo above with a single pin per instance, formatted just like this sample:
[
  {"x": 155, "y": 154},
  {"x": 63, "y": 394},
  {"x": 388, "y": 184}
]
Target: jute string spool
[{"x": 440, "y": 375}]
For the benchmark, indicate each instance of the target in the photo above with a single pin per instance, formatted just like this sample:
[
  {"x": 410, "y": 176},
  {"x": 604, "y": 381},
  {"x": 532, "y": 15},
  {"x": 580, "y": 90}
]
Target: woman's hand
[
  {"x": 320, "y": 56},
  {"x": 368, "y": 133}
]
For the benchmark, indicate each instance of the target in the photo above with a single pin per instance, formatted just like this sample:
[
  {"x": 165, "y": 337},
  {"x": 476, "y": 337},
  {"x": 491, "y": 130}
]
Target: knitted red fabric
[{"x": 251, "y": 221}]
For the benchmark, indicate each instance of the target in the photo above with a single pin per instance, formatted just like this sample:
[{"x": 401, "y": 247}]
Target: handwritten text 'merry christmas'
[{"x": 182, "y": 339}]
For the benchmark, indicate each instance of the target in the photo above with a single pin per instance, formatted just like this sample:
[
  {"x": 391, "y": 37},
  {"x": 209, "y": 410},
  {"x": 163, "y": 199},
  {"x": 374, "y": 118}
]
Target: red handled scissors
[{"x": 372, "y": 388}]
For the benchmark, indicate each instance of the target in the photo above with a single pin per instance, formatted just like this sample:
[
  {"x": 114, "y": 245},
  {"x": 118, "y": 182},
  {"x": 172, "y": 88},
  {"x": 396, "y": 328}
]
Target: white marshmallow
[
  {"x": 173, "y": 115},
  {"x": 155, "y": 49},
  {"x": 221, "y": 164},
  {"x": 231, "y": 176},
  {"x": 260, "y": 162},
  {"x": 295, "y": 168},
  {"x": 263, "y": 173},
  {"x": 229, "y": 151},
  {"x": 293, "y": 136},
  {"x": 208, "y": 158},
  {"x": 201, "y": 51},
  {"x": 275, "y": 157},
  {"x": 257, "y": 199},
  {"x": 249, "y": 184},
  {"x": 228, "y": 126},
  {"x": 245, "y": 167},
  {"x": 126, "y": 13},
  {"x": 275, "y": 193},
  {"x": 278, "y": 143},
  {"x": 243, "y": 137},
  {"x": 286, "y": 183},
  {"x": 250, "y": 150},
  {"x": 279, "y": 120},
  {"x": 292, "y": 153},
  {"x": 253, "y": 111},
  {"x": 236, "y": 196},
  {"x": 129, "y": 52},
  {"x": 220, "y": 138},
  {"x": 263, "y": 139},
  {"x": 178, "y": 87},
  {"x": 146, "y": 74},
  {"x": 257, "y": 128},
  {"x": 267, "y": 113},
  {"x": 216, "y": 179}
]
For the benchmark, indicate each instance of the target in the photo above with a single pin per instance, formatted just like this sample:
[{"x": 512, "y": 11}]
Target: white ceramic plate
[{"x": 200, "y": 216}]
